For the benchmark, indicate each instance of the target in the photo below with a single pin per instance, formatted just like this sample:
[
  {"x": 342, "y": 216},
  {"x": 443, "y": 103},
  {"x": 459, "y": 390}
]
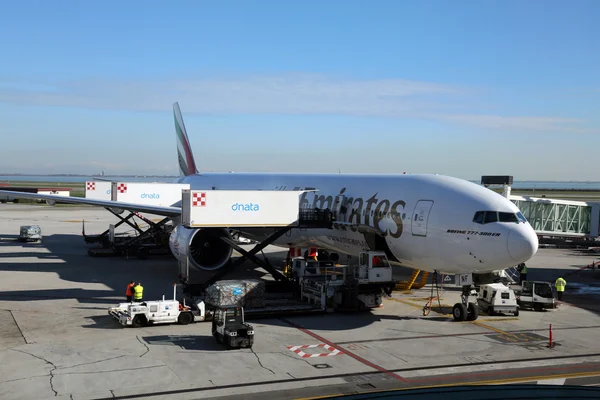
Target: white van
[{"x": 497, "y": 298}]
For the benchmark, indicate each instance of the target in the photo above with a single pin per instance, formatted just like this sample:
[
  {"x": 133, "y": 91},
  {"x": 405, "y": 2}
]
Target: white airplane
[{"x": 428, "y": 222}]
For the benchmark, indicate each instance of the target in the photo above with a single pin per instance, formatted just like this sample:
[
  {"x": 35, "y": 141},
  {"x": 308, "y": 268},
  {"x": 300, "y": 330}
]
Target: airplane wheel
[
  {"x": 472, "y": 312},
  {"x": 459, "y": 312}
]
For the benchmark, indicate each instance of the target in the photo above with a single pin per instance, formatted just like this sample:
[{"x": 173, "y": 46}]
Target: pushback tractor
[{"x": 139, "y": 314}]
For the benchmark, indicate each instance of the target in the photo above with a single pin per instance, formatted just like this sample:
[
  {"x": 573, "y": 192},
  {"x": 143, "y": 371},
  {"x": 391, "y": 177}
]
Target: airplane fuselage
[{"x": 425, "y": 222}]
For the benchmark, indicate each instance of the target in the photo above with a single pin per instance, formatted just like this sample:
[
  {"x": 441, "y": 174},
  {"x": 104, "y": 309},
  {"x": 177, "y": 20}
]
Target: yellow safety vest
[
  {"x": 138, "y": 291},
  {"x": 524, "y": 270},
  {"x": 560, "y": 285}
]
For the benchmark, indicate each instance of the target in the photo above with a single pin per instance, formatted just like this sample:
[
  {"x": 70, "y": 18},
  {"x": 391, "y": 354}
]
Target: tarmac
[{"x": 58, "y": 341}]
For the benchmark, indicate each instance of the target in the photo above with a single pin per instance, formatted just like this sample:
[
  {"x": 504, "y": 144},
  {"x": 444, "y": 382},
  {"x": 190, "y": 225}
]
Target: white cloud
[
  {"x": 293, "y": 94},
  {"x": 519, "y": 123}
]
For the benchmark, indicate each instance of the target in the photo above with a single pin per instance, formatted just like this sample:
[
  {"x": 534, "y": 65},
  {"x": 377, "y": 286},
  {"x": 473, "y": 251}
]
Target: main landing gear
[{"x": 466, "y": 311}]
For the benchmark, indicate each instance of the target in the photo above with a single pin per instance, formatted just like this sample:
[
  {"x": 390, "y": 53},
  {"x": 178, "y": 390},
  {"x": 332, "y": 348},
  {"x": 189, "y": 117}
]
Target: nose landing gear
[{"x": 466, "y": 311}]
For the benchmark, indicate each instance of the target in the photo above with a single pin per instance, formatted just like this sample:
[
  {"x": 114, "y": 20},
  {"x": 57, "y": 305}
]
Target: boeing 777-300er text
[{"x": 429, "y": 222}]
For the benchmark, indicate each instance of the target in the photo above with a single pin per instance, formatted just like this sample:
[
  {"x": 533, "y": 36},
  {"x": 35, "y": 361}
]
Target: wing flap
[{"x": 158, "y": 210}]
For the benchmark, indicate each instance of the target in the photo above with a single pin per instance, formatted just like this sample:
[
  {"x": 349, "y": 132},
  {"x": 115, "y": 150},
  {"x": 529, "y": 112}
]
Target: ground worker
[
  {"x": 129, "y": 291},
  {"x": 138, "y": 292},
  {"x": 523, "y": 272},
  {"x": 560, "y": 287}
]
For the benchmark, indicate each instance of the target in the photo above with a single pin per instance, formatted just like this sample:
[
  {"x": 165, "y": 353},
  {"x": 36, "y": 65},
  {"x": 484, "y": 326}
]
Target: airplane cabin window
[
  {"x": 490, "y": 216},
  {"x": 478, "y": 218},
  {"x": 507, "y": 217}
]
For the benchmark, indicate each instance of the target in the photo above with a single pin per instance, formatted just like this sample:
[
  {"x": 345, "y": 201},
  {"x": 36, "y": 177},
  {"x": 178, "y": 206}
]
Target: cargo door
[{"x": 421, "y": 217}]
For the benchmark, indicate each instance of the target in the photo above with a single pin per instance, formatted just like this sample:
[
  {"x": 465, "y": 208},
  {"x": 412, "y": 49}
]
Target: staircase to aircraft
[{"x": 412, "y": 283}]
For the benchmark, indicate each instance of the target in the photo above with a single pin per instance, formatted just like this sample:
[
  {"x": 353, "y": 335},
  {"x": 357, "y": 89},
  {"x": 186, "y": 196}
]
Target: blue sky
[{"x": 460, "y": 88}]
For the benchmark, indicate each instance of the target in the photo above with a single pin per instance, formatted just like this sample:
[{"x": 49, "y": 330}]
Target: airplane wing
[{"x": 157, "y": 210}]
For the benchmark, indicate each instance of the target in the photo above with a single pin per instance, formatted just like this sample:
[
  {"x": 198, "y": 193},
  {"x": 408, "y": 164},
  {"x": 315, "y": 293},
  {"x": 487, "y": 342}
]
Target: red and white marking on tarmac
[{"x": 331, "y": 351}]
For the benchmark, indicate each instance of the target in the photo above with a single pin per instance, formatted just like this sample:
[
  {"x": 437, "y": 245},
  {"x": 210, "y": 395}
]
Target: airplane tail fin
[{"x": 187, "y": 164}]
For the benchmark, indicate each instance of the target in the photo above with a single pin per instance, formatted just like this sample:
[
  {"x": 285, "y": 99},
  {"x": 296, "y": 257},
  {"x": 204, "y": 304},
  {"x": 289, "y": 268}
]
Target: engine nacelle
[{"x": 203, "y": 246}]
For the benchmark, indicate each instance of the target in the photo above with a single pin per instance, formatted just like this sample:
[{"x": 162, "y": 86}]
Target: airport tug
[{"x": 139, "y": 314}]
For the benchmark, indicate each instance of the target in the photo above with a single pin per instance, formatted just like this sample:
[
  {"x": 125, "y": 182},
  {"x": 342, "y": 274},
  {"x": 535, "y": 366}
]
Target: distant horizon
[{"x": 177, "y": 176}]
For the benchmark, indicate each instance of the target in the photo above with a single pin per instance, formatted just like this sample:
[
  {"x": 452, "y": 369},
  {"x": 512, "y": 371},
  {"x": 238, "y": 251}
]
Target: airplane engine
[{"x": 203, "y": 246}]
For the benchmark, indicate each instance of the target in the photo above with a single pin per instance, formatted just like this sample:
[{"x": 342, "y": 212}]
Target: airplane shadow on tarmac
[
  {"x": 102, "y": 281},
  {"x": 186, "y": 342}
]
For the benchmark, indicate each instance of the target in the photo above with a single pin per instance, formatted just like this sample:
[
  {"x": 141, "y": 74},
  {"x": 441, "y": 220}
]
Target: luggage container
[{"x": 155, "y": 193}]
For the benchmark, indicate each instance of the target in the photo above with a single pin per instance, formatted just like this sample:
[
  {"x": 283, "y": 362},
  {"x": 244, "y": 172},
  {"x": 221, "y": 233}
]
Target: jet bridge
[
  {"x": 554, "y": 217},
  {"x": 278, "y": 210}
]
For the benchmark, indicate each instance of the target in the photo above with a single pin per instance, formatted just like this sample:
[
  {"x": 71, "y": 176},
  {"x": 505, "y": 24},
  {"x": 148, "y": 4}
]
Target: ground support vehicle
[
  {"x": 30, "y": 233},
  {"x": 139, "y": 314},
  {"x": 496, "y": 298},
  {"x": 319, "y": 289},
  {"x": 140, "y": 243},
  {"x": 535, "y": 294},
  {"x": 230, "y": 328}
]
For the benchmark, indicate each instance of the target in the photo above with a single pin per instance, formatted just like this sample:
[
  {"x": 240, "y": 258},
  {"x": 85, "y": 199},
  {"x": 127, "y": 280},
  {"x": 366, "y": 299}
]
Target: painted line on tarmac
[
  {"x": 441, "y": 335},
  {"x": 406, "y": 302},
  {"x": 512, "y": 379},
  {"x": 516, "y": 379},
  {"x": 342, "y": 375},
  {"x": 492, "y": 328},
  {"x": 500, "y": 319},
  {"x": 344, "y": 351}
]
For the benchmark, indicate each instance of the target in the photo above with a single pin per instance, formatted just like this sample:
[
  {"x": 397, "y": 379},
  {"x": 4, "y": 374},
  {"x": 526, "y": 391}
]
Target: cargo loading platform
[{"x": 289, "y": 216}]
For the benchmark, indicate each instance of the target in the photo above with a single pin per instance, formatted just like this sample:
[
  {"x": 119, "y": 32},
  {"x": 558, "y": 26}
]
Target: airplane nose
[{"x": 522, "y": 243}]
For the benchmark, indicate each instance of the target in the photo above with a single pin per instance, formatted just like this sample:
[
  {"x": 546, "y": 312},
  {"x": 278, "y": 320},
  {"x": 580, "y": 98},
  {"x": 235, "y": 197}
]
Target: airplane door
[{"x": 420, "y": 217}]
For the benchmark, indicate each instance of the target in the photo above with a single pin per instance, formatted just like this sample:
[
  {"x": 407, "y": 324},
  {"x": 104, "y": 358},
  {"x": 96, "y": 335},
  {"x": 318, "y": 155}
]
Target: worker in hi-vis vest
[
  {"x": 560, "y": 287},
  {"x": 138, "y": 292},
  {"x": 522, "y": 272}
]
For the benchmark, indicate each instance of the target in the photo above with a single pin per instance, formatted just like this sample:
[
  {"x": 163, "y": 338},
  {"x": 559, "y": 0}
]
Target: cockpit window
[
  {"x": 478, "y": 218},
  {"x": 490, "y": 216},
  {"x": 507, "y": 217},
  {"x": 486, "y": 217}
]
